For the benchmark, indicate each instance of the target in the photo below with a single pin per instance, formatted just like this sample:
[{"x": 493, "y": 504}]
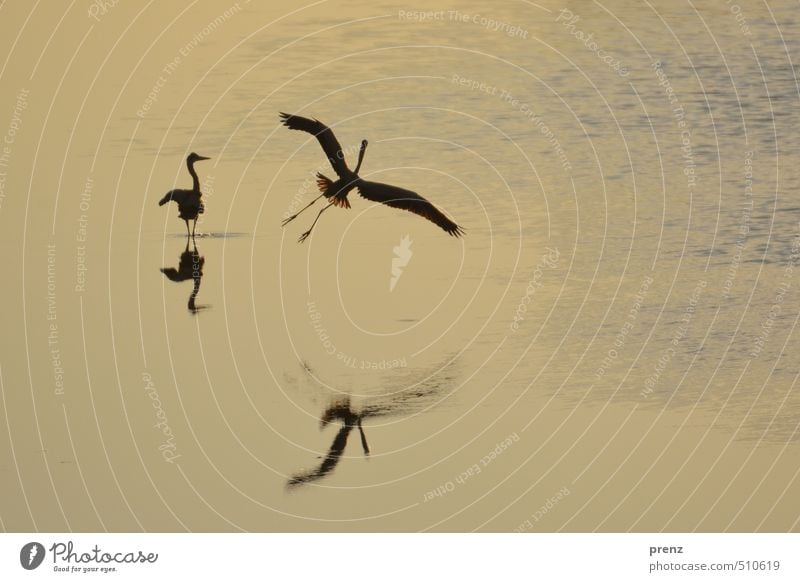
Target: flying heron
[{"x": 337, "y": 191}]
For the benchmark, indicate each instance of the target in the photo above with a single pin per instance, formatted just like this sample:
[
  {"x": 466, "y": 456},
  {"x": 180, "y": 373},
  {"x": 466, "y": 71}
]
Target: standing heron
[
  {"x": 337, "y": 191},
  {"x": 190, "y": 202}
]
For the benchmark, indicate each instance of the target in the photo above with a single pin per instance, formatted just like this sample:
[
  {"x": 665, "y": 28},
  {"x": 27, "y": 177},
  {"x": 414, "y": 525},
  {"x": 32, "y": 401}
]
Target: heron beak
[{"x": 202, "y": 158}]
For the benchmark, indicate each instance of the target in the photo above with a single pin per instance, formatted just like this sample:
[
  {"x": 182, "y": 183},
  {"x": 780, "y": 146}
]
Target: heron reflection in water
[
  {"x": 190, "y": 266},
  {"x": 339, "y": 410},
  {"x": 416, "y": 398}
]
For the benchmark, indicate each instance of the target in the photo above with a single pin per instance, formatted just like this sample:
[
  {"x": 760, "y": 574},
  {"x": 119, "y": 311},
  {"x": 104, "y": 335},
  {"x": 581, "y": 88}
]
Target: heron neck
[
  {"x": 360, "y": 159},
  {"x": 195, "y": 179}
]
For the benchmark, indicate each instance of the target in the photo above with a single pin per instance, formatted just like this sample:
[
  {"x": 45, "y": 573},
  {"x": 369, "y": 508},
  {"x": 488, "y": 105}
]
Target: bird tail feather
[{"x": 324, "y": 184}]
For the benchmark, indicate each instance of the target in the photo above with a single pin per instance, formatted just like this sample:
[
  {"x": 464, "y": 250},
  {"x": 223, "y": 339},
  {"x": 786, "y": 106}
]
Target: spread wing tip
[
  {"x": 453, "y": 229},
  {"x": 287, "y": 118}
]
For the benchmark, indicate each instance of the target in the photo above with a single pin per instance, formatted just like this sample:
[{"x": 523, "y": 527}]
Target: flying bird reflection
[
  {"x": 338, "y": 410},
  {"x": 337, "y": 191},
  {"x": 385, "y": 401}
]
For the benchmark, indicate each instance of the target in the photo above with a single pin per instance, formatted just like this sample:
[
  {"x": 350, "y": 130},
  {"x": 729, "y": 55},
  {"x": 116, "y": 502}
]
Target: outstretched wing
[
  {"x": 173, "y": 274},
  {"x": 408, "y": 200},
  {"x": 184, "y": 198},
  {"x": 324, "y": 135},
  {"x": 167, "y": 198}
]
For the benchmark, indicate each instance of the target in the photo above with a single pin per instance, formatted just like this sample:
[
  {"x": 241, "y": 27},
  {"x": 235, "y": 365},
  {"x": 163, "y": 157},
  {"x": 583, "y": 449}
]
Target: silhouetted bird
[
  {"x": 190, "y": 202},
  {"x": 348, "y": 179},
  {"x": 337, "y": 411},
  {"x": 190, "y": 266}
]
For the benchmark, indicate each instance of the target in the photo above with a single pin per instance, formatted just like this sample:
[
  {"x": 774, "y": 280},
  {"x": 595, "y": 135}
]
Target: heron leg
[
  {"x": 304, "y": 236},
  {"x": 295, "y": 215},
  {"x": 194, "y": 226},
  {"x": 188, "y": 233},
  {"x": 364, "y": 444}
]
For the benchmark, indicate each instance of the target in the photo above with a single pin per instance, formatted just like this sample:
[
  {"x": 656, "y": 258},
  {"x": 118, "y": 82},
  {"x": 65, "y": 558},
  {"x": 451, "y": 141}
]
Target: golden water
[{"x": 611, "y": 346}]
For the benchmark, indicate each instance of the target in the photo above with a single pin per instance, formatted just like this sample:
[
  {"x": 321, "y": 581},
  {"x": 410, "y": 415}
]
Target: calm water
[{"x": 611, "y": 346}]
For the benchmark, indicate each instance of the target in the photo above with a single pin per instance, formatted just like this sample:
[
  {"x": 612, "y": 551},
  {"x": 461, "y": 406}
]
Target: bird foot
[
  {"x": 304, "y": 236},
  {"x": 288, "y": 220}
]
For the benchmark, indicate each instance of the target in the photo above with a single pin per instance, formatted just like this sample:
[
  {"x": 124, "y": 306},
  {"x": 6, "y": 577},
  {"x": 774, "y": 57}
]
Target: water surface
[{"x": 610, "y": 347}]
